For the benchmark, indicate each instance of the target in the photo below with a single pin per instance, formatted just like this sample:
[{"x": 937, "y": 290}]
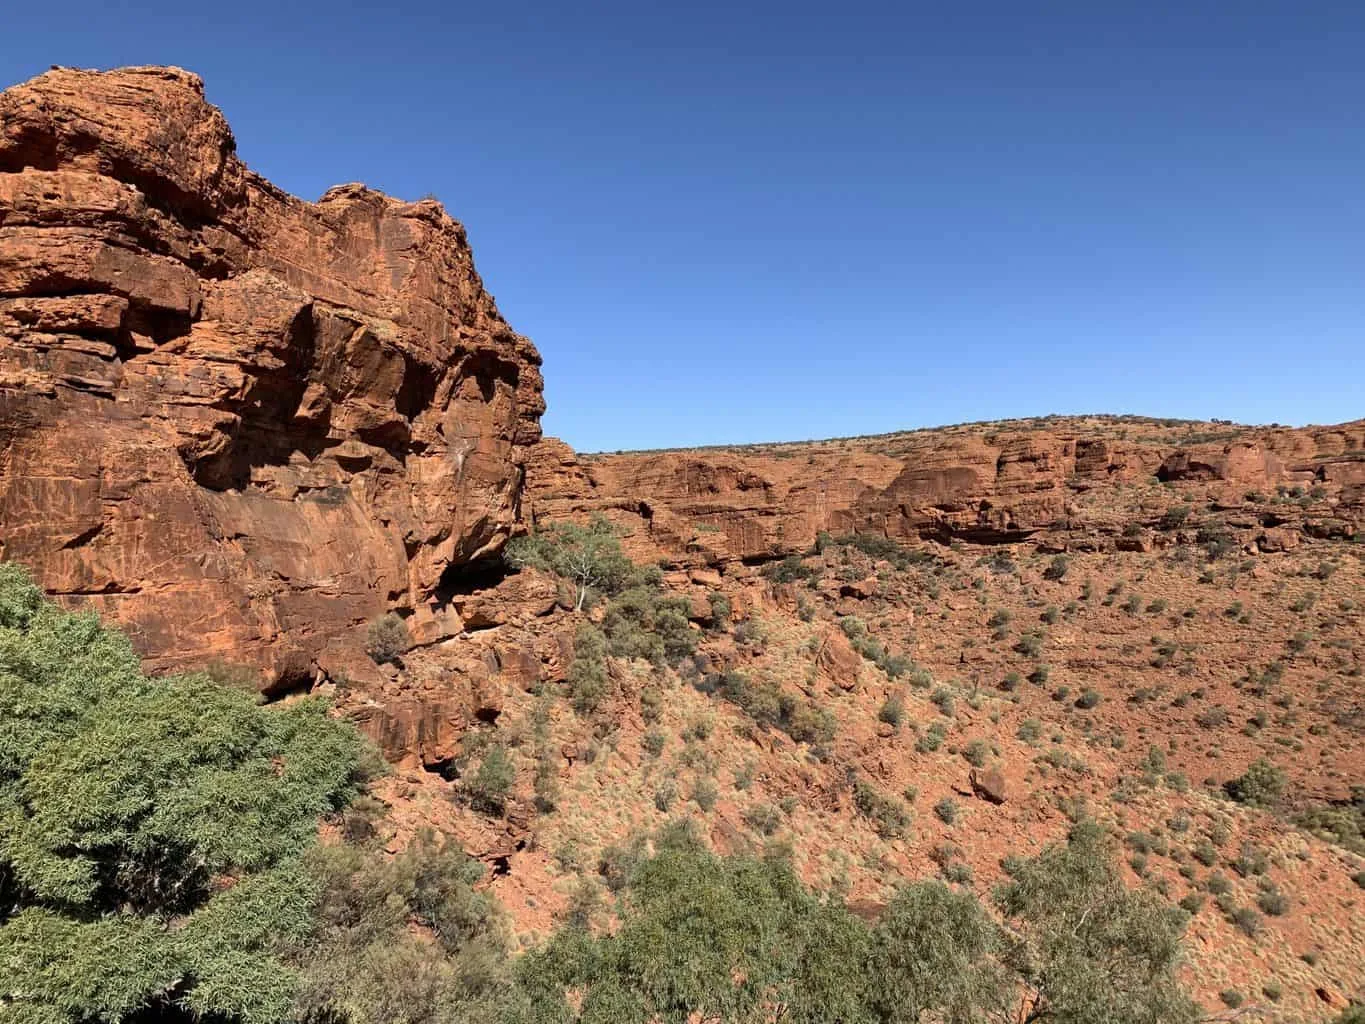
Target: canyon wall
[
  {"x": 986, "y": 484},
  {"x": 238, "y": 424}
]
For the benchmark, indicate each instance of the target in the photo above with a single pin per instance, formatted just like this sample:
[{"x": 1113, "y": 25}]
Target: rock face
[
  {"x": 236, "y": 423},
  {"x": 976, "y": 484}
]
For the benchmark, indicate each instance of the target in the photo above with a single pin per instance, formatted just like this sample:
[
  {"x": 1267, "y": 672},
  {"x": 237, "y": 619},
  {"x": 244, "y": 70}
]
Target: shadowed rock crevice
[{"x": 463, "y": 579}]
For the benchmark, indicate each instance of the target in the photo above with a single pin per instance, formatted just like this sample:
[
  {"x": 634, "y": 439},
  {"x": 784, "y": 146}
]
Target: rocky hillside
[
  {"x": 249, "y": 428},
  {"x": 1050, "y": 481}
]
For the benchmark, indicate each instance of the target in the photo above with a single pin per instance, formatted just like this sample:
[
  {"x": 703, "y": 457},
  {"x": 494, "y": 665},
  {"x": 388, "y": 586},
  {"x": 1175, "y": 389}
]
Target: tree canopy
[
  {"x": 590, "y": 556},
  {"x": 150, "y": 829},
  {"x": 709, "y": 938}
]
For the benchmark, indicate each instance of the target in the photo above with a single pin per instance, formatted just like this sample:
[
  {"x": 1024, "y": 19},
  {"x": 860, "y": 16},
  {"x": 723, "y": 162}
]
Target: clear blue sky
[{"x": 749, "y": 221}]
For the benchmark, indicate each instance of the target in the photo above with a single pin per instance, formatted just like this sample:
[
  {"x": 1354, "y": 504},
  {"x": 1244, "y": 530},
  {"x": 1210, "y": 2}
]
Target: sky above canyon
[{"x": 763, "y": 221}]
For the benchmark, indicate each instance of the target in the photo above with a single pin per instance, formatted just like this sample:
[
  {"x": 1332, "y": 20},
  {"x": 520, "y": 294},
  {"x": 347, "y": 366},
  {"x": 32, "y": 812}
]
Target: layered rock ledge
[{"x": 236, "y": 423}]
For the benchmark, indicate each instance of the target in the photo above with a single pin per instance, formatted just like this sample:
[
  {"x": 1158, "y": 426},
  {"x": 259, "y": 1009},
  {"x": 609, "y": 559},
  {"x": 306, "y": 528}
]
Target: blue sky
[{"x": 739, "y": 222}]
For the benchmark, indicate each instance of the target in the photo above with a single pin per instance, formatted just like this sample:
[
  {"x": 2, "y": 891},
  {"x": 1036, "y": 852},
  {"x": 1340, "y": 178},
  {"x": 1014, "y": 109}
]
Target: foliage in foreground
[
  {"x": 126, "y": 805},
  {"x": 741, "y": 939},
  {"x": 158, "y": 853},
  {"x": 158, "y": 860}
]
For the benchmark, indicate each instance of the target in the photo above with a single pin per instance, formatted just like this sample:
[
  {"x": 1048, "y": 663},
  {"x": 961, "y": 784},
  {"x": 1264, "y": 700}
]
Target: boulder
[
  {"x": 861, "y": 590},
  {"x": 989, "y": 784},
  {"x": 1277, "y": 538},
  {"x": 837, "y": 661}
]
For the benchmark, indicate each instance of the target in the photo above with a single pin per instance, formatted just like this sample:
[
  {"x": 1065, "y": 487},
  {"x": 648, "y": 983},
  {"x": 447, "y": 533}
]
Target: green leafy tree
[
  {"x": 589, "y": 556},
  {"x": 151, "y": 830},
  {"x": 937, "y": 950},
  {"x": 403, "y": 940},
  {"x": 709, "y": 938},
  {"x": 1086, "y": 949}
]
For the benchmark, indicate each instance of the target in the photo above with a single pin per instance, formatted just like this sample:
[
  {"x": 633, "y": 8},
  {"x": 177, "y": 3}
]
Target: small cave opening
[
  {"x": 502, "y": 866},
  {"x": 418, "y": 389},
  {"x": 445, "y": 767},
  {"x": 489, "y": 716},
  {"x": 293, "y": 675},
  {"x": 464, "y": 579}
]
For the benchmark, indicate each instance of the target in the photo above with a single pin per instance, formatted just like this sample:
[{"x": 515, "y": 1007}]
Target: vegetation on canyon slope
[{"x": 161, "y": 859}]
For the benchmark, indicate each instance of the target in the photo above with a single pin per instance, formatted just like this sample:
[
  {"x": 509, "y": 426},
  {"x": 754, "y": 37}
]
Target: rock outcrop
[
  {"x": 238, "y": 424},
  {"x": 976, "y": 484}
]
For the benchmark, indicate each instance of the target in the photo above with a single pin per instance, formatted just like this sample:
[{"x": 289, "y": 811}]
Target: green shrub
[
  {"x": 651, "y": 704},
  {"x": 154, "y": 829},
  {"x": 769, "y": 705},
  {"x": 665, "y": 794},
  {"x": 704, "y": 794},
  {"x": 720, "y": 609},
  {"x": 1088, "y": 699},
  {"x": 764, "y": 818},
  {"x": 931, "y": 739},
  {"x": 1261, "y": 785},
  {"x": 1174, "y": 517},
  {"x": 1057, "y": 569},
  {"x": 590, "y": 557},
  {"x": 1247, "y": 921},
  {"x": 1251, "y": 860},
  {"x": 1030, "y": 729},
  {"x": 790, "y": 570},
  {"x": 946, "y": 810},
  {"x": 492, "y": 784},
  {"x": 406, "y": 938},
  {"x": 977, "y": 752},
  {"x": 654, "y": 743},
  {"x": 957, "y": 873},
  {"x": 702, "y": 937},
  {"x": 588, "y": 681},
  {"x": 892, "y": 711},
  {"x": 1273, "y": 902},
  {"x": 387, "y": 639},
  {"x": 641, "y": 622},
  {"x": 889, "y": 817}
]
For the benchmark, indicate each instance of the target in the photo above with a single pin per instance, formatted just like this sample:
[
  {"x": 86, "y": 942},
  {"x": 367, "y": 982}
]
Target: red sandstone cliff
[
  {"x": 975, "y": 483},
  {"x": 237, "y": 423}
]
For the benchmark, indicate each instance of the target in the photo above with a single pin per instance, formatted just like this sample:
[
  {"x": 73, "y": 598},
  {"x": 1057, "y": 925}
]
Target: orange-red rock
[
  {"x": 723, "y": 506},
  {"x": 238, "y": 424}
]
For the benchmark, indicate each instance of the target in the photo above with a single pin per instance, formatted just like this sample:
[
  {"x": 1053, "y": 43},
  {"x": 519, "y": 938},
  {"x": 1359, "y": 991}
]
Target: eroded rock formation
[
  {"x": 1047, "y": 482},
  {"x": 239, "y": 424}
]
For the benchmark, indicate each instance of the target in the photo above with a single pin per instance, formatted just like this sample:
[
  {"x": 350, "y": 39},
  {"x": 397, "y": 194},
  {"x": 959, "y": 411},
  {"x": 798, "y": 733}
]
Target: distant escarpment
[
  {"x": 238, "y": 424},
  {"x": 1051, "y": 481}
]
